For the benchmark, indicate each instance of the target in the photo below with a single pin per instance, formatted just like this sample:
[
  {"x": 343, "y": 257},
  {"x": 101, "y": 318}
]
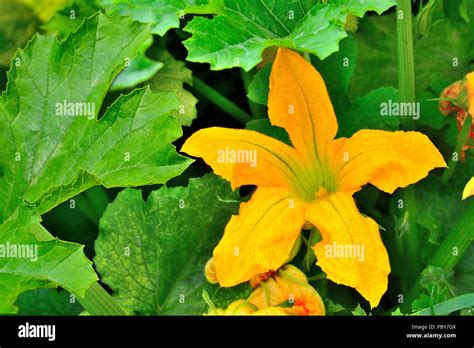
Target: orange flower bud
[
  {"x": 288, "y": 286},
  {"x": 461, "y": 103},
  {"x": 285, "y": 292},
  {"x": 453, "y": 91}
]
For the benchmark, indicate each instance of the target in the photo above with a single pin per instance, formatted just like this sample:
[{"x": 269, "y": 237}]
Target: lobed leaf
[
  {"x": 39, "y": 261},
  {"x": 152, "y": 253},
  {"x": 239, "y": 35},
  {"x": 161, "y": 14},
  {"x": 48, "y": 156}
]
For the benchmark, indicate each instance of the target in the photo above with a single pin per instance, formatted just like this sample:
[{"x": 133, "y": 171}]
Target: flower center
[{"x": 317, "y": 183}]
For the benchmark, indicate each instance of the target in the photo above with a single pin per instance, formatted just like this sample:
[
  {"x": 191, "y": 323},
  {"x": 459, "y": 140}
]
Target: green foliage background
[{"x": 63, "y": 181}]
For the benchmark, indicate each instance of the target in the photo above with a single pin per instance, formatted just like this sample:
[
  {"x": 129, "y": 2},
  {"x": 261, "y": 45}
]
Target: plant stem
[
  {"x": 451, "y": 250},
  {"x": 310, "y": 257},
  {"x": 319, "y": 276},
  {"x": 406, "y": 81},
  {"x": 98, "y": 302},
  {"x": 461, "y": 140},
  {"x": 221, "y": 101},
  {"x": 307, "y": 56},
  {"x": 406, "y": 60},
  {"x": 257, "y": 110}
]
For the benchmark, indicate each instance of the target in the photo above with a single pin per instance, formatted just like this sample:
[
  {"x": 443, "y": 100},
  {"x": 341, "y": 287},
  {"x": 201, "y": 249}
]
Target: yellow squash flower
[
  {"x": 313, "y": 181},
  {"x": 468, "y": 189},
  {"x": 286, "y": 292},
  {"x": 470, "y": 92}
]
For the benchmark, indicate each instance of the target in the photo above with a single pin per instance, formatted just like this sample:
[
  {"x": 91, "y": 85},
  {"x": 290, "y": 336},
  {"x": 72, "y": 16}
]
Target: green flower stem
[
  {"x": 98, "y": 302},
  {"x": 451, "y": 250},
  {"x": 406, "y": 60},
  {"x": 461, "y": 140},
  {"x": 221, "y": 101},
  {"x": 310, "y": 257},
  {"x": 406, "y": 81},
  {"x": 401, "y": 262},
  {"x": 316, "y": 277},
  {"x": 257, "y": 110}
]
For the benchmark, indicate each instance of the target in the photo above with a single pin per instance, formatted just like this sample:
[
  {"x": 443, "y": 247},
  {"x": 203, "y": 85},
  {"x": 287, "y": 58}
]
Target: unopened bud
[
  {"x": 240, "y": 307},
  {"x": 210, "y": 271},
  {"x": 292, "y": 273},
  {"x": 449, "y": 98}
]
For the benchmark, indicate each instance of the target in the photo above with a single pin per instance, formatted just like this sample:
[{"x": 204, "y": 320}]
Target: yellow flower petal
[
  {"x": 470, "y": 92},
  {"x": 260, "y": 238},
  {"x": 469, "y": 189},
  {"x": 351, "y": 251},
  {"x": 299, "y": 102},
  {"x": 387, "y": 160},
  {"x": 244, "y": 157}
]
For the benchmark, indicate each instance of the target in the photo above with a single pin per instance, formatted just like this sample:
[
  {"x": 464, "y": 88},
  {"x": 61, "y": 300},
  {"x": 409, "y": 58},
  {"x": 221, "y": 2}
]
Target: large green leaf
[
  {"x": 152, "y": 253},
  {"x": 238, "y": 36},
  {"x": 162, "y": 14},
  {"x": 31, "y": 258},
  {"x": 137, "y": 70},
  {"x": 171, "y": 78},
  {"x": 46, "y": 158},
  {"x": 48, "y": 302}
]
